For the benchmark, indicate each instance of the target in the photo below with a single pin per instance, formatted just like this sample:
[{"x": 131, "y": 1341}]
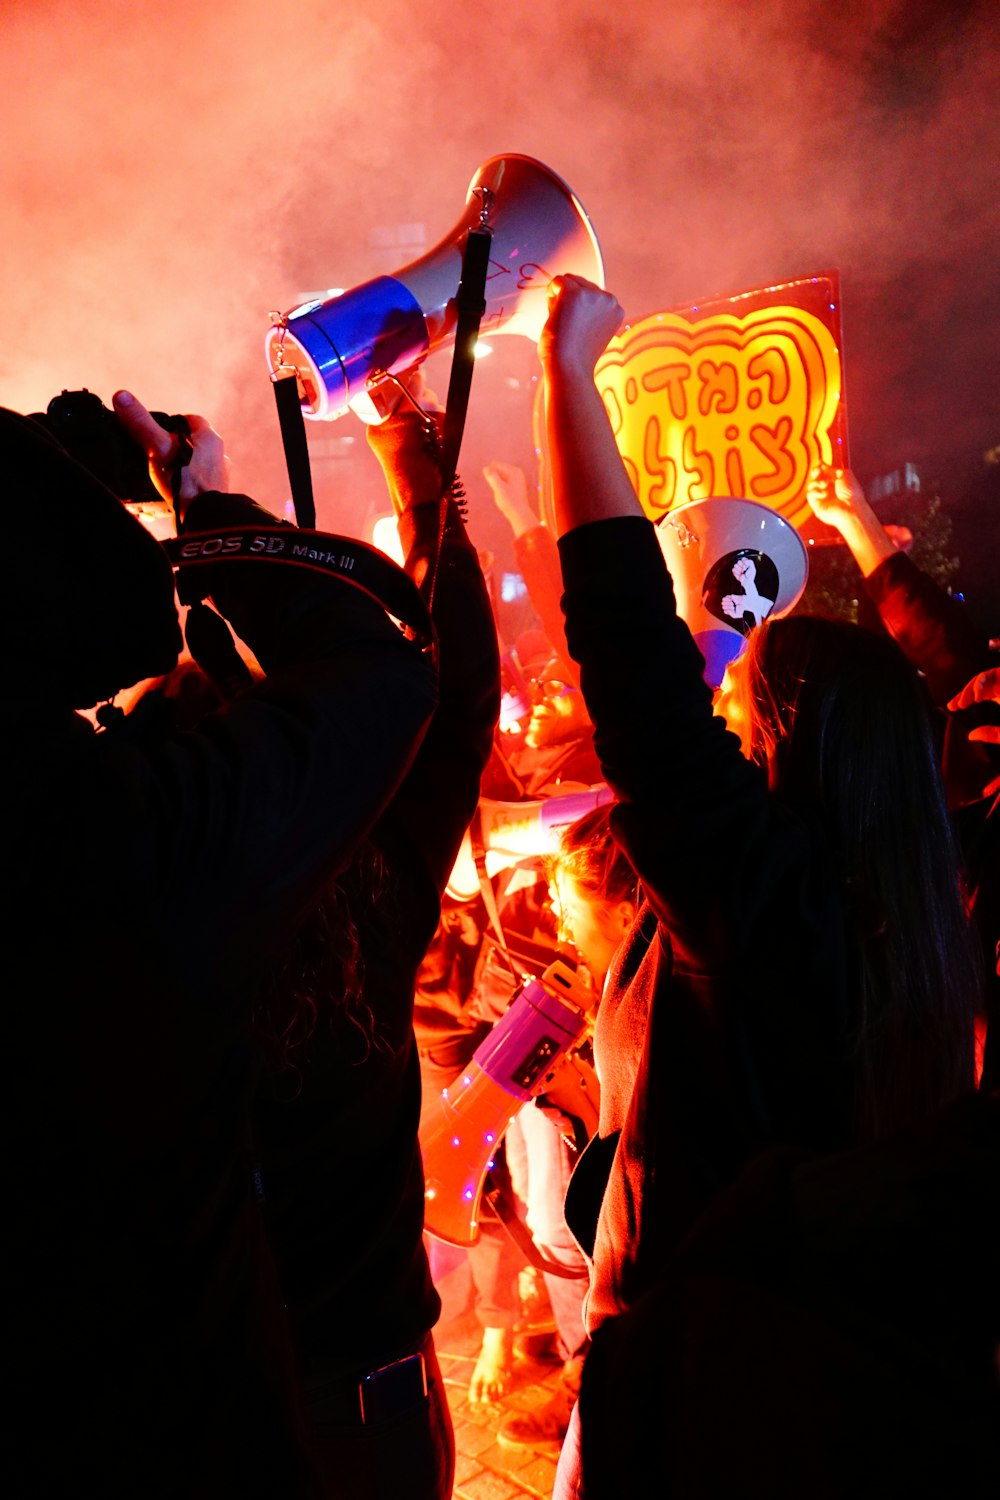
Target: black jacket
[
  {"x": 151, "y": 881},
  {"x": 737, "y": 953}
]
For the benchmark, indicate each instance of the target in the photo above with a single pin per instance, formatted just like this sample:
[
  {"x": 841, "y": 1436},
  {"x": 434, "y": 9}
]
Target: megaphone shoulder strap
[
  {"x": 518, "y": 1231},
  {"x": 478, "y": 845},
  {"x": 470, "y": 304},
  {"x": 293, "y": 439}
]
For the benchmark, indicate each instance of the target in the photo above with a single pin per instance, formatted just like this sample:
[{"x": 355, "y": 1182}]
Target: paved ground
[{"x": 484, "y": 1470}]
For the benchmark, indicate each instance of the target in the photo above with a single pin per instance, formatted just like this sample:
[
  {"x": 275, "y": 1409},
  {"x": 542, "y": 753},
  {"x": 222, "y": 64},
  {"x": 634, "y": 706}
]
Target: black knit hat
[{"x": 88, "y": 593}]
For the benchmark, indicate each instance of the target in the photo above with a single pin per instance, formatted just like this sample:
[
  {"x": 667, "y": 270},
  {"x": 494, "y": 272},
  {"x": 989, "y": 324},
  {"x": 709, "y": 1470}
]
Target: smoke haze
[{"x": 173, "y": 173}]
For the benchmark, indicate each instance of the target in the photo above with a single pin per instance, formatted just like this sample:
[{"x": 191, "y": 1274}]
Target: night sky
[{"x": 172, "y": 173}]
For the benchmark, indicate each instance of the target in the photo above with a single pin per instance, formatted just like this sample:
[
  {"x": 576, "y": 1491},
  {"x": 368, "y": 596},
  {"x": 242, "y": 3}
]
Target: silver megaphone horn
[{"x": 342, "y": 348}]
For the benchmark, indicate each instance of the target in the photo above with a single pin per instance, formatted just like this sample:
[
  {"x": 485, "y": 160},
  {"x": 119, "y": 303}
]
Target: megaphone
[
  {"x": 462, "y": 1131},
  {"x": 342, "y": 348},
  {"x": 512, "y": 831},
  {"x": 734, "y": 563}
]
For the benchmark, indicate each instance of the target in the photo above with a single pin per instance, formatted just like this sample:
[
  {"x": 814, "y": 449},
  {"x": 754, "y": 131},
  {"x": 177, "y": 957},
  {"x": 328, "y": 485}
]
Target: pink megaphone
[{"x": 463, "y": 1129}]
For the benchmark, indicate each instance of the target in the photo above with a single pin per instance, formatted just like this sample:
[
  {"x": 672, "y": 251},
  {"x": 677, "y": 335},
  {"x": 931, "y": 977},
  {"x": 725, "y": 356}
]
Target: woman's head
[
  {"x": 595, "y": 890},
  {"x": 821, "y": 702}
]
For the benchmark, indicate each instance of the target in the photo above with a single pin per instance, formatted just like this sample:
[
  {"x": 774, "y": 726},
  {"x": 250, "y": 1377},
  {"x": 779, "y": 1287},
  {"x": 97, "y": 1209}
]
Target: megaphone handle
[{"x": 470, "y": 304}]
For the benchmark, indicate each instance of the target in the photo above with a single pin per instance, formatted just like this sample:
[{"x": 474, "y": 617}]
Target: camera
[{"x": 93, "y": 435}]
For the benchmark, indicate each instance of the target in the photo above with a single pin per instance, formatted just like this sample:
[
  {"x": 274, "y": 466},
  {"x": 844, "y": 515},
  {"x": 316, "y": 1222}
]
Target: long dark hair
[
  {"x": 318, "y": 977},
  {"x": 841, "y": 720}
]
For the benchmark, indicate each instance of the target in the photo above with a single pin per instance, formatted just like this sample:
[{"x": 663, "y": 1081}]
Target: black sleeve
[
  {"x": 936, "y": 634},
  {"x": 746, "y": 896},
  {"x": 692, "y": 813},
  {"x": 932, "y": 629}
]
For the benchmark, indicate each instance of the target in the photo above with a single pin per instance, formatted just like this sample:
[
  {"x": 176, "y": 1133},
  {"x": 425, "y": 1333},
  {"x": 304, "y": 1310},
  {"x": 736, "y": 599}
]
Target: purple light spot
[
  {"x": 468, "y": 1195},
  {"x": 455, "y": 1141}
]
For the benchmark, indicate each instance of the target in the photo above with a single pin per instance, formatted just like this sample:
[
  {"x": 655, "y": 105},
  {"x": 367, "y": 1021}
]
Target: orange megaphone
[{"x": 343, "y": 347}]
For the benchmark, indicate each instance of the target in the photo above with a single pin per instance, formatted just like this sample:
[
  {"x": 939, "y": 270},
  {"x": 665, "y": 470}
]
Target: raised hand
[
  {"x": 836, "y": 498},
  {"x": 833, "y": 494},
  {"x": 582, "y": 319},
  {"x": 509, "y": 488}
]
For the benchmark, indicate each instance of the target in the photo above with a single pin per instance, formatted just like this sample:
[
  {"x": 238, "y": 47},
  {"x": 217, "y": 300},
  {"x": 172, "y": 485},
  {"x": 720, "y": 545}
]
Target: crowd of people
[{"x": 241, "y": 961}]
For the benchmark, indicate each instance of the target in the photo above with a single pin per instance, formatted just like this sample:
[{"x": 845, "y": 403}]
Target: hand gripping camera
[{"x": 513, "y": 1063}]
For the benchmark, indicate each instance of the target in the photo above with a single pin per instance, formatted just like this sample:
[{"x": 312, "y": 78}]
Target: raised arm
[
  {"x": 934, "y": 630},
  {"x": 589, "y": 480},
  {"x": 536, "y": 555},
  {"x": 433, "y": 807},
  {"x": 681, "y": 783}
]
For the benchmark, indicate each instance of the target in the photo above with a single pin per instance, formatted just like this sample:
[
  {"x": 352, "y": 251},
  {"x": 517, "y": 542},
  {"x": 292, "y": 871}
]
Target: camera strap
[{"x": 342, "y": 557}]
